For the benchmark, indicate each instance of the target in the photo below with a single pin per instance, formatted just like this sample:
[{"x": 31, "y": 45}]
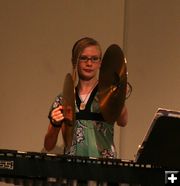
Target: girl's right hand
[{"x": 57, "y": 115}]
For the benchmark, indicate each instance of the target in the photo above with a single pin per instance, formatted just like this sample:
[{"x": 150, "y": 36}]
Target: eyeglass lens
[{"x": 92, "y": 58}]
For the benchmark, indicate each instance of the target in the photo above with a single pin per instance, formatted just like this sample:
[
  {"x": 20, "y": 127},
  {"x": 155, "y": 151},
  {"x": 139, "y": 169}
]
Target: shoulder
[{"x": 57, "y": 101}]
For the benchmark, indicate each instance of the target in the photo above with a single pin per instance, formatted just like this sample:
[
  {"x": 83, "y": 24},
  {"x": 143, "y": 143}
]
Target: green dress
[{"x": 93, "y": 137}]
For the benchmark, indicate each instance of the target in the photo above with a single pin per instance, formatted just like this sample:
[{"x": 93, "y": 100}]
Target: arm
[
  {"x": 51, "y": 136},
  {"x": 54, "y": 127},
  {"x": 123, "y": 118}
]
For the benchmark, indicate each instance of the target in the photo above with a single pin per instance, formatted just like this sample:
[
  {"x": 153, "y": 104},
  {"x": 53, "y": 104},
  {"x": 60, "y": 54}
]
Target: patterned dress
[{"x": 93, "y": 137}]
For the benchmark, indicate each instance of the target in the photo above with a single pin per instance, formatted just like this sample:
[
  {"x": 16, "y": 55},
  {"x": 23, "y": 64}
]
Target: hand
[{"x": 57, "y": 115}]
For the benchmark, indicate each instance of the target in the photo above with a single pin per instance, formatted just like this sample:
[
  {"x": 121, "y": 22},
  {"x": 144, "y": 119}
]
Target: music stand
[{"x": 161, "y": 145}]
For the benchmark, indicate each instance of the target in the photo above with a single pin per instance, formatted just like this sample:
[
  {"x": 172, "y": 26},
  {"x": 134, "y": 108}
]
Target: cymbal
[
  {"x": 112, "y": 83},
  {"x": 68, "y": 109}
]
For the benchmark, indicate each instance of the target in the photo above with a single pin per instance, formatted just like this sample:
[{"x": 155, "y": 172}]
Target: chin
[{"x": 85, "y": 78}]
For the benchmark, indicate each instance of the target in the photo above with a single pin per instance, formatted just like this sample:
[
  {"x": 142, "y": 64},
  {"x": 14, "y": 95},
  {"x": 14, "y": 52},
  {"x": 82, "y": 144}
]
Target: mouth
[{"x": 88, "y": 70}]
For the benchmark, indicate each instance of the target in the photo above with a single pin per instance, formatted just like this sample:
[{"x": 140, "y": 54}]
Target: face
[{"x": 89, "y": 63}]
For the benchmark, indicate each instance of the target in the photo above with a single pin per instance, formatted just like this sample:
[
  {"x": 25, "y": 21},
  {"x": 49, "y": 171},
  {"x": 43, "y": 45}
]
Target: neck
[{"x": 86, "y": 86}]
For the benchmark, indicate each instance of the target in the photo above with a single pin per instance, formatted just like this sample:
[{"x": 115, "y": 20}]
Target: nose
[{"x": 89, "y": 61}]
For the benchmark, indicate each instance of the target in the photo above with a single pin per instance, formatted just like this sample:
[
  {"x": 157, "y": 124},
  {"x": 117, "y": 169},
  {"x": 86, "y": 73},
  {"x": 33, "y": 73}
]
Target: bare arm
[
  {"x": 54, "y": 127},
  {"x": 51, "y": 137},
  {"x": 123, "y": 118}
]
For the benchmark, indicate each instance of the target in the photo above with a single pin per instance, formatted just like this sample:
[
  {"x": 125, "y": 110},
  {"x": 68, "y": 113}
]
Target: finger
[
  {"x": 61, "y": 107},
  {"x": 59, "y": 117},
  {"x": 56, "y": 109},
  {"x": 57, "y": 114}
]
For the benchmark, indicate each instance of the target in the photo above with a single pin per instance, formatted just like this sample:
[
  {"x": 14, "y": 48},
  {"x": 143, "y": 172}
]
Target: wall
[{"x": 151, "y": 45}]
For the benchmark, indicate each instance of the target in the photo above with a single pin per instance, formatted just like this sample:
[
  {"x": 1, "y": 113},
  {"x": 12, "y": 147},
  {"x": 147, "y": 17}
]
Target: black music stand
[{"x": 161, "y": 145}]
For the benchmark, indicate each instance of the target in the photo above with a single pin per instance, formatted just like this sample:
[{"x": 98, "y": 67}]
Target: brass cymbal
[
  {"x": 112, "y": 83},
  {"x": 68, "y": 109}
]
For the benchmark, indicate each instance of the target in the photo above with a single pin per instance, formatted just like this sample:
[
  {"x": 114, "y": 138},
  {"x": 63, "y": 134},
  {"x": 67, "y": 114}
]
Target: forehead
[{"x": 91, "y": 50}]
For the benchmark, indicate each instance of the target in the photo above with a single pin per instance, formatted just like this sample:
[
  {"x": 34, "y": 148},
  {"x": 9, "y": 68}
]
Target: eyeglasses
[{"x": 93, "y": 59}]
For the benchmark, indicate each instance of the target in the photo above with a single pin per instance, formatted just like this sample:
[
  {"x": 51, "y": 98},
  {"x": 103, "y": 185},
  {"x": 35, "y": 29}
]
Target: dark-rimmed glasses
[{"x": 93, "y": 59}]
